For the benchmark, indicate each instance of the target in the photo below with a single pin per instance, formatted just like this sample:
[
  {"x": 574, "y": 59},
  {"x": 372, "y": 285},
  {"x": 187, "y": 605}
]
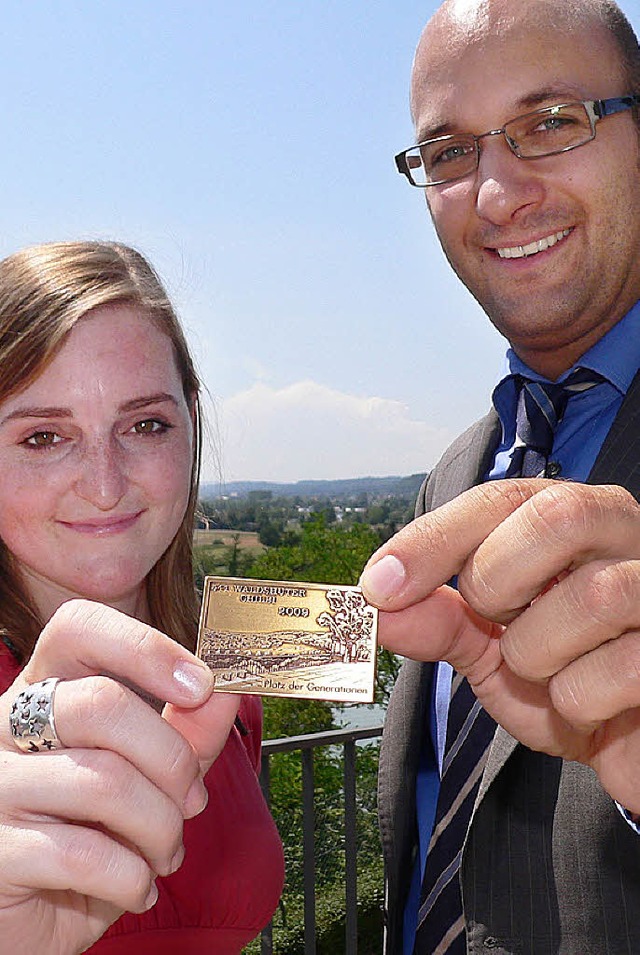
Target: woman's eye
[
  {"x": 43, "y": 439},
  {"x": 150, "y": 426}
]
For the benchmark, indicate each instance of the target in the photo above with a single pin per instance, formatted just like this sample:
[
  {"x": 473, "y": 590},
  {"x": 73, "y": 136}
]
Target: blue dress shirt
[{"x": 577, "y": 442}]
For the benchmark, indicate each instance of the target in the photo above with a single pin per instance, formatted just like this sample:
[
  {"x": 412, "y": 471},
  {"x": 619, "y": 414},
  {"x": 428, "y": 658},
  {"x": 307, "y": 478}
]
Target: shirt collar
[{"x": 616, "y": 356}]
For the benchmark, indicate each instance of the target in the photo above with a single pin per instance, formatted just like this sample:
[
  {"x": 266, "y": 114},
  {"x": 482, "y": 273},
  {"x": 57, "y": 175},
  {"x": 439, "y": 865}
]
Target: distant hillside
[{"x": 344, "y": 488}]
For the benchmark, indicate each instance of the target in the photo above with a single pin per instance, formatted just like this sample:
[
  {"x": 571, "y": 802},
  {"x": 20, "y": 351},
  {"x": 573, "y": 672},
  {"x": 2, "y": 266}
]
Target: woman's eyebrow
[
  {"x": 53, "y": 411},
  {"x": 36, "y": 411},
  {"x": 145, "y": 400}
]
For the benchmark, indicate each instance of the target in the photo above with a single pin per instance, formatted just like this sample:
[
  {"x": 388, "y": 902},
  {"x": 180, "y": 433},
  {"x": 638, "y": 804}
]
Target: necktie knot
[{"x": 541, "y": 406}]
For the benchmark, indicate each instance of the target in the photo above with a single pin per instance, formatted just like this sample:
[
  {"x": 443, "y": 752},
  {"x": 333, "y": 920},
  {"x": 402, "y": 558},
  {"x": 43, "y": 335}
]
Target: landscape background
[{"x": 318, "y": 532}]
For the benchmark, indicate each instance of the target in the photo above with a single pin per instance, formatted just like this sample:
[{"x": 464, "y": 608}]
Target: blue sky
[{"x": 247, "y": 149}]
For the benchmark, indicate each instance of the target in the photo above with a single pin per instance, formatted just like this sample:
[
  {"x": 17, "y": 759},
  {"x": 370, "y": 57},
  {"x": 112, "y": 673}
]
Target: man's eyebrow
[
  {"x": 432, "y": 132},
  {"x": 558, "y": 93},
  {"x": 52, "y": 411}
]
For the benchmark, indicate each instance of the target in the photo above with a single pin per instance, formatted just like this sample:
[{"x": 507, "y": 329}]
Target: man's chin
[{"x": 537, "y": 319}]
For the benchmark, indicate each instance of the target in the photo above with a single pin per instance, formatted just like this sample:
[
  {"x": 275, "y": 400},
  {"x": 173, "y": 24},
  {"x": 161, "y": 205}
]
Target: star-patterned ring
[{"x": 31, "y": 719}]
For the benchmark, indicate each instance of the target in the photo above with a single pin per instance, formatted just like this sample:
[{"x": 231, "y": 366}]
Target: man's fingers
[
  {"x": 505, "y": 540},
  {"x": 433, "y": 548},
  {"x": 593, "y": 605},
  {"x": 443, "y": 627},
  {"x": 562, "y": 527},
  {"x": 440, "y": 627},
  {"x": 600, "y": 685}
]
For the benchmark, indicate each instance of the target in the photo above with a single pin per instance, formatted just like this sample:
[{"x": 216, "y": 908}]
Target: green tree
[
  {"x": 269, "y": 532},
  {"x": 323, "y": 554},
  {"x": 227, "y": 560},
  {"x": 333, "y": 555}
]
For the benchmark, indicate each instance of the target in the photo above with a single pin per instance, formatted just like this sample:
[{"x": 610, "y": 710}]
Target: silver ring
[{"x": 33, "y": 727}]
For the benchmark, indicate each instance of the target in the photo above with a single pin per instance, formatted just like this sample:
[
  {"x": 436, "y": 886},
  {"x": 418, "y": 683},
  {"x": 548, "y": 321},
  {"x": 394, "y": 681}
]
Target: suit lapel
[
  {"x": 618, "y": 461},
  {"x": 465, "y": 463}
]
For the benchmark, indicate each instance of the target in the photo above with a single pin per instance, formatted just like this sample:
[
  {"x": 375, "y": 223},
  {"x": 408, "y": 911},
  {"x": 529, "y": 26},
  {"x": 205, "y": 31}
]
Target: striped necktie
[
  {"x": 541, "y": 406},
  {"x": 470, "y": 729}
]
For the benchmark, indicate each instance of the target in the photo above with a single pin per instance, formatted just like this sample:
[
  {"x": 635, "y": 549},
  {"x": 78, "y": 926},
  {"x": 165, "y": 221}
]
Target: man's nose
[
  {"x": 506, "y": 185},
  {"x": 102, "y": 479}
]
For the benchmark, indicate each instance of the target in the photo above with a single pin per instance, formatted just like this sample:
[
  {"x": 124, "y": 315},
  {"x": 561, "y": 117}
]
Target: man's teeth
[{"x": 518, "y": 251}]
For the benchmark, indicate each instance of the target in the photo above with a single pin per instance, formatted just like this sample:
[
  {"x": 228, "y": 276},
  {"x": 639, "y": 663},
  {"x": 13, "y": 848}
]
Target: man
[{"x": 529, "y": 155}]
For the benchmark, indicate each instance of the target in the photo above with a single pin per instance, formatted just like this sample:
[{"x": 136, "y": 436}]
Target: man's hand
[
  {"x": 77, "y": 847},
  {"x": 546, "y": 620}
]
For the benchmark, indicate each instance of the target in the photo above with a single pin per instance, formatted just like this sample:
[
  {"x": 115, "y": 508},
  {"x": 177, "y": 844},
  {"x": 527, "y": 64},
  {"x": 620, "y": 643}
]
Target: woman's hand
[{"x": 86, "y": 829}]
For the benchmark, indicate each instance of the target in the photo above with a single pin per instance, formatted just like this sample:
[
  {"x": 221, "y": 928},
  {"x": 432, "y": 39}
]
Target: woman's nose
[{"x": 102, "y": 479}]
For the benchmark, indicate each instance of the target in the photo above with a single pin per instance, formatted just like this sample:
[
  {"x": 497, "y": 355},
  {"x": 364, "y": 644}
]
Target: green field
[
  {"x": 224, "y": 552},
  {"x": 221, "y": 538}
]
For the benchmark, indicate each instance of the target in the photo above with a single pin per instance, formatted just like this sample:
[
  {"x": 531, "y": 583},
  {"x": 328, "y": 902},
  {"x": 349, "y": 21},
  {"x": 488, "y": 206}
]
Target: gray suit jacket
[{"x": 549, "y": 865}]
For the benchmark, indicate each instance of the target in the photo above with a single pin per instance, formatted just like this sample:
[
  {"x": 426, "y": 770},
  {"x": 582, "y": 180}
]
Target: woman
[{"x": 139, "y": 766}]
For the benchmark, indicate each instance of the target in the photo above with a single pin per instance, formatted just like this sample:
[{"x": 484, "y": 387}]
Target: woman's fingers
[
  {"x": 125, "y": 764},
  {"x": 84, "y": 638},
  {"x": 64, "y": 857},
  {"x": 205, "y": 727},
  {"x": 96, "y": 787},
  {"x": 98, "y": 712}
]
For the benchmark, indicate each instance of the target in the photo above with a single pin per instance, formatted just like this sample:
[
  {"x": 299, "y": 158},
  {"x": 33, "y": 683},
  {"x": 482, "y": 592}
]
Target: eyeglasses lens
[
  {"x": 549, "y": 131},
  {"x": 543, "y": 132}
]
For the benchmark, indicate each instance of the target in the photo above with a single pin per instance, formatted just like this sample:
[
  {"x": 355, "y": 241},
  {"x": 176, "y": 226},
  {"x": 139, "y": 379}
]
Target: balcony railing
[{"x": 347, "y": 738}]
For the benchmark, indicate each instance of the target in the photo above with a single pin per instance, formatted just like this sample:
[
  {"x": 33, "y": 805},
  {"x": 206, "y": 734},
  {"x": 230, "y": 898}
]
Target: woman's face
[{"x": 95, "y": 463}]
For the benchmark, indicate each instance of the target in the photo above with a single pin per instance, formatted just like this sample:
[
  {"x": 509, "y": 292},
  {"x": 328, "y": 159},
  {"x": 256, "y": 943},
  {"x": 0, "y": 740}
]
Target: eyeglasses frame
[{"x": 596, "y": 110}]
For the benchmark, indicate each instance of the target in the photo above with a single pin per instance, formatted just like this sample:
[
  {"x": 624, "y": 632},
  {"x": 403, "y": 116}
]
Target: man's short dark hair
[{"x": 626, "y": 40}]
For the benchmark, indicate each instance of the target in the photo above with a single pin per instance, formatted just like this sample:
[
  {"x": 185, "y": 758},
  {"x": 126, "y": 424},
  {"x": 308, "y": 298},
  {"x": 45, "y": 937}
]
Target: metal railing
[{"x": 306, "y": 744}]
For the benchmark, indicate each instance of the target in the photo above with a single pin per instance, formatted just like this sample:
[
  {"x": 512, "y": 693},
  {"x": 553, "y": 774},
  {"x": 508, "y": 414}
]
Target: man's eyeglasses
[{"x": 543, "y": 132}]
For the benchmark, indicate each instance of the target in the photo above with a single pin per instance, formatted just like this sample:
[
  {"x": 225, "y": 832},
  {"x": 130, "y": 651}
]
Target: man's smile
[{"x": 532, "y": 248}]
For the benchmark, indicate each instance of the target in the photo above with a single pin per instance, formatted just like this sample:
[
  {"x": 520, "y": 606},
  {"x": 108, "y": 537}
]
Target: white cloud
[{"x": 309, "y": 431}]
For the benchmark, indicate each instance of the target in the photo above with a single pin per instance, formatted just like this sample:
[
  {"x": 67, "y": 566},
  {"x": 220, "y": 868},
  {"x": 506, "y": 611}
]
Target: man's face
[{"x": 554, "y": 304}]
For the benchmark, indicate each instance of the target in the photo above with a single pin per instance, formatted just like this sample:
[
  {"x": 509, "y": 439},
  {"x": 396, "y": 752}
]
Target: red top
[{"x": 230, "y": 881}]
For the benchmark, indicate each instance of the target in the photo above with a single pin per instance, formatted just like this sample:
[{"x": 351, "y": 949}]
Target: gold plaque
[{"x": 277, "y": 638}]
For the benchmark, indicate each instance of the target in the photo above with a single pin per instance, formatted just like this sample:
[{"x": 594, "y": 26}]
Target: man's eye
[
  {"x": 150, "y": 426},
  {"x": 552, "y": 124},
  {"x": 43, "y": 439},
  {"x": 450, "y": 153}
]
